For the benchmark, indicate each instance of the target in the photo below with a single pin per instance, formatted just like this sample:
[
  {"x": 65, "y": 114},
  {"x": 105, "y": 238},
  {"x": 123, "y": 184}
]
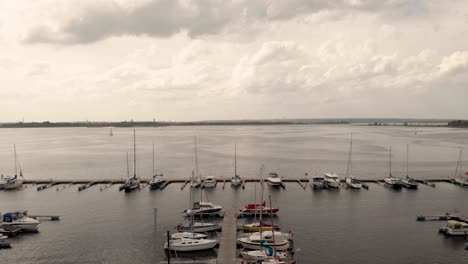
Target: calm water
[{"x": 374, "y": 226}]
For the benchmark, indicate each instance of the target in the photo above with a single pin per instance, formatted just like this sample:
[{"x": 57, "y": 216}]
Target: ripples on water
[{"x": 374, "y": 226}]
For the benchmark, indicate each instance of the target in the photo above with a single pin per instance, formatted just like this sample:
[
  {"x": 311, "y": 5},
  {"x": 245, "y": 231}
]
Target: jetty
[{"x": 228, "y": 248}]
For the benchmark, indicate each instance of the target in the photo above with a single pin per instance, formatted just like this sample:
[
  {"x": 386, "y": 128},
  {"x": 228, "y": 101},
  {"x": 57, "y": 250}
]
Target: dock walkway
[{"x": 227, "y": 253}]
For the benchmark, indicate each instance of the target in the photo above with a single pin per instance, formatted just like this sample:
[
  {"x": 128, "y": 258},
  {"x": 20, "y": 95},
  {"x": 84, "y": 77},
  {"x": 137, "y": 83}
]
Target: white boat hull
[
  {"x": 247, "y": 244},
  {"x": 210, "y": 184},
  {"x": 261, "y": 255},
  {"x": 181, "y": 235},
  {"x": 188, "y": 245}
]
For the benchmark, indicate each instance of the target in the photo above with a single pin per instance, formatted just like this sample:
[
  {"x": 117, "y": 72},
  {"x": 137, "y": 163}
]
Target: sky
[{"x": 186, "y": 60}]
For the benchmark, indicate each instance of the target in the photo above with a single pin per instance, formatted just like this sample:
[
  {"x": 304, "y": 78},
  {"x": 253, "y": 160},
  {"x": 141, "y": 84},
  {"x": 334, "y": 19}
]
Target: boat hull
[
  {"x": 245, "y": 243},
  {"x": 189, "y": 245}
]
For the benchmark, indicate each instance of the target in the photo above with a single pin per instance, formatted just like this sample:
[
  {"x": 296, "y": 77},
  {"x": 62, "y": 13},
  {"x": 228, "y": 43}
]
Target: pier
[{"x": 228, "y": 248}]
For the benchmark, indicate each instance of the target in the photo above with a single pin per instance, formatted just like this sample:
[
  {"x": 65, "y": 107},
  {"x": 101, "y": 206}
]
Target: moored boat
[
  {"x": 353, "y": 183},
  {"x": 199, "y": 227},
  {"x": 455, "y": 228},
  {"x": 189, "y": 245},
  {"x": 274, "y": 180},
  {"x": 203, "y": 208},
  {"x": 236, "y": 180},
  {"x": 210, "y": 182},
  {"x": 409, "y": 183},
  {"x": 392, "y": 181},
  {"x": 18, "y": 220},
  {"x": 259, "y": 226},
  {"x": 191, "y": 235},
  {"x": 331, "y": 180},
  {"x": 317, "y": 182},
  {"x": 276, "y": 239},
  {"x": 259, "y": 209}
]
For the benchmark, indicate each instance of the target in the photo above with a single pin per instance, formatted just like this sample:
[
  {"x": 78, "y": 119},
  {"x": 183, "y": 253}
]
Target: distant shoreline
[{"x": 362, "y": 122}]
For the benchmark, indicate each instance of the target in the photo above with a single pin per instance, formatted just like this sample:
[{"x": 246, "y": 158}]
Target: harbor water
[{"x": 342, "y": 226}]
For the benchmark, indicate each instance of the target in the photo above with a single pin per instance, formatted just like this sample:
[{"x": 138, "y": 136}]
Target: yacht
[
  {"x": 256, "y": 256},
  {"x": 236, "y": 180},
  {"x": 191, "y": 235},
  {"x": 259, "y": 227},
  {"x": 353, "y": 183},
  {"x": 409, "y": 183},
  {"x": 133, "y": 182},
  {"x": 18, "y": 220},
  {"x": 252, "y": 209},
  {"x": 392, "y": 181},
  {"x": 189, "y": 244},
  {"x": 317, "y": 182},
  {"x": 210, "y": 182},
  {"x": 331, "y": 180},
  {"x": 11, "y": 183},
  {"x": 203, "y": 208},
  {"x": 274, "y": 180},
  {"x": 156, "y": 181},
  {"x": 455, "y": 228},
  {"x": 276, "y": 239},
  {"x": 199, "y": 227}
]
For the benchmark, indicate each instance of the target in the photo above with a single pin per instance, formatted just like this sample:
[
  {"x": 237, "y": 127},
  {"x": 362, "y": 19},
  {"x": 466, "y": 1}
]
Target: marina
[{"x": 304, "y": 211}]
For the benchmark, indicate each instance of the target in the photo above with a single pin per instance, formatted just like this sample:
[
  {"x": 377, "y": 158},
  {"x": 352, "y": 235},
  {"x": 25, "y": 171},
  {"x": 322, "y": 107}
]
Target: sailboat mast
[
  {"x": 128, "y": 169},
  {"x": 153, "y": 157},
  {"x": 460, "y": 163},
  {"x": 349, "y": 157},
  {"x": 407, "y": 158},
  {"x": 390, "y": 156},
  {"x": 16, "y": 163},
  {"x": 273, "y": 230},
  {"x": 196, "y": 158},
  {"x": 235, "y": 159},
  {"x": 134, "y": 154}
]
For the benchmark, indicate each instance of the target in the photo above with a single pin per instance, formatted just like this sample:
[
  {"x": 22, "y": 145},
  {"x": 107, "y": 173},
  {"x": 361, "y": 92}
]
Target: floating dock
[{"x": 227, "y": 253}]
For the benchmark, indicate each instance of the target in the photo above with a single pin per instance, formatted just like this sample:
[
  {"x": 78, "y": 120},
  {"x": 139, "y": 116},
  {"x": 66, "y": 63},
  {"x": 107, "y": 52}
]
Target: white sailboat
[
  {"x": 13, "y": 182},
  {"x": 350, "y": 181},
  {"x": 408, "y": 182},
  {"x": 210, "y": 182},
  {"x": 236, "y": 180},
  {"x": 392, "y": 181},
  {"x": 157, "y": 179},
  {"x": 458, "y": 177},
  {"x": 195, "y": 181},
  {"x": 133, "y": 182}
]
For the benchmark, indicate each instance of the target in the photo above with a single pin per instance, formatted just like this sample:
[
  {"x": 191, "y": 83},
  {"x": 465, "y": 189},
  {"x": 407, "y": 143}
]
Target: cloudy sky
[{"x": 64, "y": 60}]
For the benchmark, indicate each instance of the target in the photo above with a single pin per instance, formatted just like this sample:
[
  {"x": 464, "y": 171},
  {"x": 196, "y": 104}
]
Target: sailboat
[
  {"x": 236, "y": 180},
  {"x": 350, "y": 181},
  {"x": 133, "y": 182},
  {"x": 460, "y": 180},
  {"x": 392, "y": 181},
  {"x": 408, "y": 182},
  {"x": 14, "y": 182},
  {"x": 195, "y": 181},
  {"x": 157, "y": 179}
]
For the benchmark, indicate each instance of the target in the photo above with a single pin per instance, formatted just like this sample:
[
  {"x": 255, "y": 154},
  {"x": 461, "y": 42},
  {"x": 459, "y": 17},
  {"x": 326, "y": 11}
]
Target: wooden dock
[{"x": 228, "y": 248}]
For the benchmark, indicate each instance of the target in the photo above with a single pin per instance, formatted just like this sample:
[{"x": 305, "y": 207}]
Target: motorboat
[
  {"x": 203, "y": 208},
  {"x": 199, "y": 227},
  {"x": 393, "y": 182},
  {"x": 210, "y": 182},
  {"x": 331, "y": 180},
  {"x": 188, "y": 244},
  {"x": 257, "y": 209},
  {"x": 276, "y": 239},
  {"x": 409, "y": 183},
  {"x": 274, "y": 180},
  {"x": 191, "y": 235},
  {"x": 236, "y": 181},
  {"x": 259, "y": 226},
  {"x": 156, "y": 181},
  {"x": 18, "y": 220},
  {"x": 353, "y": 183},
  {"x": 455, "y": 228},
  {"x": 317, "y": 182}
]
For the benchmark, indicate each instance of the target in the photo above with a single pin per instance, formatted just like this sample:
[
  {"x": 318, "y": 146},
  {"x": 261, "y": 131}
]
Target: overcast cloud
[{"x": 212, "y": 59}]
